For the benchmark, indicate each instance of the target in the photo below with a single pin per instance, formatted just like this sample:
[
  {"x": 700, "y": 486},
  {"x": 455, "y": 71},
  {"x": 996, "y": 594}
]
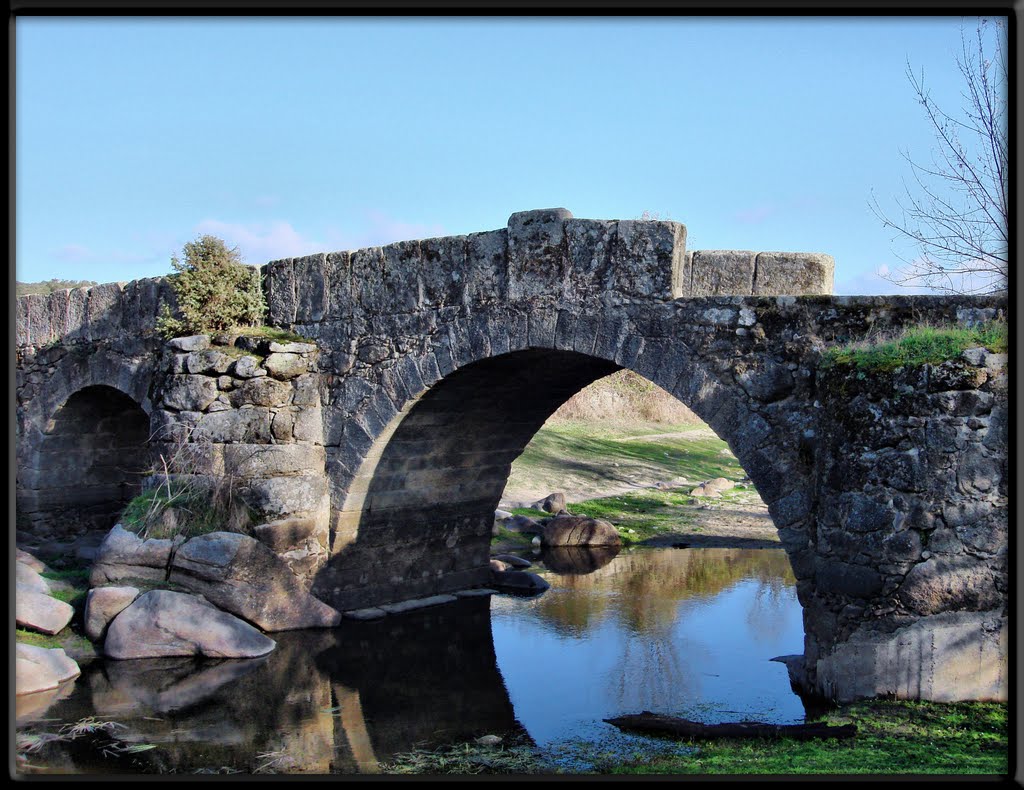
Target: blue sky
[{"x": 292, "y": 136}]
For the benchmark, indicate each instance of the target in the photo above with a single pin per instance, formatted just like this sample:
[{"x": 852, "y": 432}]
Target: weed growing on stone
[{"x": 916, "y": 346}]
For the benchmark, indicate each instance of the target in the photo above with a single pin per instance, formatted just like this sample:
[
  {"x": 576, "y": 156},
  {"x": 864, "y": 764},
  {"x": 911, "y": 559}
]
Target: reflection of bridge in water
[{"x": 322, "y": 702}]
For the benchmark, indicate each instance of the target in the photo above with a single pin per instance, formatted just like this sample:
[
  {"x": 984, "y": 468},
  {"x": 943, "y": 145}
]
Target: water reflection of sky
[
  {"x": 685, "y": 632},
  {"x": 696, "y": 642}
]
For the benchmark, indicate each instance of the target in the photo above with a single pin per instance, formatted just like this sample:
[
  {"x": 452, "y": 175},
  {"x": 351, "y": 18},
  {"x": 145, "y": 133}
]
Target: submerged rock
[
  {"x": 164, "y": 623},
  {"x": 521, "y": 582}
]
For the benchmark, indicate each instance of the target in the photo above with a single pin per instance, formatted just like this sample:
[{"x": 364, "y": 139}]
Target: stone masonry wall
[
  {"x": 246, "y": 414},
  {"x": 910, "y": 582}
]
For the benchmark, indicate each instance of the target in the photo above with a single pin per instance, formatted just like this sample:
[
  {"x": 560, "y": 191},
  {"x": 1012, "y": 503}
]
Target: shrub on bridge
[{"x": 214, "y": 289}]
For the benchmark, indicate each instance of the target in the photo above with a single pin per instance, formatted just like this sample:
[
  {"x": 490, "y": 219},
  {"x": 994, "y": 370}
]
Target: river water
[{"x": 686, "y": 632}]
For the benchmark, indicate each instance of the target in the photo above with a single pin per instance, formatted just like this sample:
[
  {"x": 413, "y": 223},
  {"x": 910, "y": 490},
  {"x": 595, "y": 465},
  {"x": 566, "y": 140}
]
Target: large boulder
[
  {"x": 39, "y": 668},
  {"x": 28, "y": 577},
  {"x": 102, "y": 605},
  {"x": 552, "y": 503},
  {"x": 124, "y": 555},
  {"x": 31, "y": 561},
  {"x": 40, "y": 612},
  {"x": 163, "y": 623},
  {"x": 579, "y": 531},
  {"x": 523, "y": 524},
  {"x": 241, "y": 575}
]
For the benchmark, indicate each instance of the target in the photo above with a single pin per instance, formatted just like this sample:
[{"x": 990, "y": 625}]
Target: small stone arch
[{"x": 89, "y": 460}]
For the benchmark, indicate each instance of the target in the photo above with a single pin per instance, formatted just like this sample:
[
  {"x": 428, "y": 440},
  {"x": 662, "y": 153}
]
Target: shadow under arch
[
  {"x": 416, "y": 518},
  {"x": 90, "y": 460}
]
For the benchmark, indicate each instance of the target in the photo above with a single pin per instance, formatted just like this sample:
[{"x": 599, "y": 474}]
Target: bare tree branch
[{"x": 955, "y": 212}]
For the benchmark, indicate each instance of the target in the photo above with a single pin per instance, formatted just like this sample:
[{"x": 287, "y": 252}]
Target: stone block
[
  {"x": 286, "y": 366},
  {"x": 285, "y": 534},
  {"x": 943, "y": 584},
  {"x": 793, "y": 273},
  {"x": 281, "y": 292},
  {"x": 649, "y": 260},
  {"x": 722, "y": 273},
  {"x": 440, "y": 275},
  {"x": 842, "y": 578},
  {"x": 367, "y": 278},
  {"x": 190, "y": 343},
  {"x": 286, "y": 496},
  {"x": 247, "y": 426},
  {"x": 263, "y": 391},
  {"x": 272, "y": 460},
  {"x": 209, "y": 361},
  {"x": 537, "y": 260},
  {"x": 312, "y": 288},
  {"x": 486, "y": 274},
  {"x": 104, "y": 310}
]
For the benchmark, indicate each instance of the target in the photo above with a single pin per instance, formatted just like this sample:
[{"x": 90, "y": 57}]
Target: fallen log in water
[{"x": 656, "y": 724}]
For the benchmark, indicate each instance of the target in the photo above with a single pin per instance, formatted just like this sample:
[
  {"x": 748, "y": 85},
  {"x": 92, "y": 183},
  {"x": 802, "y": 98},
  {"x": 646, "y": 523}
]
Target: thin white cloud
[
  {"x": 378, "y": 228},
  {"x": 756, "y": 215},
  {"x": 261, "y": 242},
  {"x": 74, "y": 253}
]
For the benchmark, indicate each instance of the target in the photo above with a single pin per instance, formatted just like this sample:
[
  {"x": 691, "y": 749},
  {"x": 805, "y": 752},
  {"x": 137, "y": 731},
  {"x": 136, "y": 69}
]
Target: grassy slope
[{"x": 574, "y": 456}]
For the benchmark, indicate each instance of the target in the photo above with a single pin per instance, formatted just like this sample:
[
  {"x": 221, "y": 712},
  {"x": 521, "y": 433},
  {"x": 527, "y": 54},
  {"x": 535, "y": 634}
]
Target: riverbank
[
  {"x": 639, "y": 476},
  {"x": 894, "y": 738}
]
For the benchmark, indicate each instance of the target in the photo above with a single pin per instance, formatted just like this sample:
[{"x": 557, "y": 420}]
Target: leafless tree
[{"x": 955, "y": 208}]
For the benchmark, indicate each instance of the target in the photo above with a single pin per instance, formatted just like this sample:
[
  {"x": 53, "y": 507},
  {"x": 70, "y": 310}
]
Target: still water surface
[{"x": 686, "y": 632}]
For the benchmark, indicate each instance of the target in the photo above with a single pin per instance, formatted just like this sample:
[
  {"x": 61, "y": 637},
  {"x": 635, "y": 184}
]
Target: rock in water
[
  {"x": 164, "y": 623},
  {"x": 579, "y": 531},
  {"x": 102, "y": 605},
  {"x": 39, "y": 669},
  {"x": 242, "y": 576},
  {"x": 40, "y": 612}
]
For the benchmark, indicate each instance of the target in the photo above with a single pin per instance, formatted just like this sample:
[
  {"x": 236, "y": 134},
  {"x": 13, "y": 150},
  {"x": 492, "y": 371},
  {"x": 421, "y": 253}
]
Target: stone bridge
[{"x": 379, "y": 449}]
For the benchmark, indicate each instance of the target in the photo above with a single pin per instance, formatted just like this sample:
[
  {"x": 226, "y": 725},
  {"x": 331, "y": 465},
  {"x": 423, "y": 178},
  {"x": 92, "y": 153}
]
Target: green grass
[
  {"x": 274, "y": 333},
  {"x": 196, "y": 515},
  {"x": 606, "y": 454},
  {"x": 893, "y": 737},
  {"x": 923, "y": 345},
  {"x": 647, "y": 512}
]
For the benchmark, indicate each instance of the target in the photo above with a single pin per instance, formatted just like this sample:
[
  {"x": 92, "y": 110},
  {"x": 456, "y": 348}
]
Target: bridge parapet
[
  {"x": 542, "y": 256},
  {"x": 100, "y": 312}
]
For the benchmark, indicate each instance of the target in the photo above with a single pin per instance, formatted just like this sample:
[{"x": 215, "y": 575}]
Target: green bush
[{"x": 214, "y": 289}]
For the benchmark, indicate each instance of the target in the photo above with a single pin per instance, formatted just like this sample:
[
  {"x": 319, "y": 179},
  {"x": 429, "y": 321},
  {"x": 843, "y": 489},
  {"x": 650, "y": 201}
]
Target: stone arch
[
  {"x": 88, "y": 461},
  {"x": 435, "y": 442}
]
